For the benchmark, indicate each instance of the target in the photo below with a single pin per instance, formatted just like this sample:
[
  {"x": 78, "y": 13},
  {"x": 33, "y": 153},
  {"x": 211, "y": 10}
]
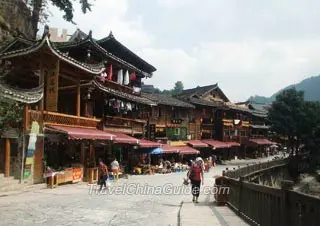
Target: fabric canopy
[
  {"x": 261, "y": 141},
  {"x": 216, "y": 143},
  {"x": 121, "y": 138},
  {"x": 186, "y": 150},
  {"x": 177, "y": 143},
  {"x": 197, "y": 144},
  {"x": 148, "y": 144},
  {"x": 75, "y": 133},
  {"x": 168, "y": 149},
  {"x": 233, "y": 144}
]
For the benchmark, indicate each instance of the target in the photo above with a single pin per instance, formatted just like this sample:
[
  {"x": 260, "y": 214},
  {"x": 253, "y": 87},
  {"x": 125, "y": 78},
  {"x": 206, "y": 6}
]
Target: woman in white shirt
[{"x": 115, "y": 169}]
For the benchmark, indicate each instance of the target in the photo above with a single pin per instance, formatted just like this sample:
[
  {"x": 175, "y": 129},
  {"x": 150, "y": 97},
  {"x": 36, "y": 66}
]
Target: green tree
[
  {"x": 39, "y": 10},
  {"x": 287, "y": 116},
  {"x": 11, "y": 113},
  {"x": 178, "y": 88}
]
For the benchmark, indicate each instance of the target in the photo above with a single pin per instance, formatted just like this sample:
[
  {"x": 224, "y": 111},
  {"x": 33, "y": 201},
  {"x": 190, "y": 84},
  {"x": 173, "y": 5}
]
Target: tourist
[
  {"x": 214, "y": 159},
  {"x": 195, "y": 175},
  {"x": 115, "y": 169},
  {"x": 103, "y": 171}
]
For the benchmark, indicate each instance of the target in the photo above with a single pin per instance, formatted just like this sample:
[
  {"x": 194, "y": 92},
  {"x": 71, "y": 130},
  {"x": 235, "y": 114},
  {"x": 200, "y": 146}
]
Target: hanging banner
[
  {"x": 29, "y": 161},
  {"x": 51, "y": 74}
]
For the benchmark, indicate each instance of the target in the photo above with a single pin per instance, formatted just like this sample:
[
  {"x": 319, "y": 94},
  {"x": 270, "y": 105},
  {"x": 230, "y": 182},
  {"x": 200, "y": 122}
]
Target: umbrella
[{"x": 156, "y": 151}]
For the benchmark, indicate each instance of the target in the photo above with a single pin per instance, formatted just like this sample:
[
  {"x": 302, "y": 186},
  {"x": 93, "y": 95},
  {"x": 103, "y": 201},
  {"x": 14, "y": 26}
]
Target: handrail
[{"x": 249, "y": 170}]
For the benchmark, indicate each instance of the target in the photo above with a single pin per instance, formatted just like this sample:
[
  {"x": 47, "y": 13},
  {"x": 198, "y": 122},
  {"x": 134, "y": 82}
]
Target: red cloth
[
  {"x": 196, "y": 172},
  {"x": 110, "y": 72},
  {"x": 133, "y": 76}
]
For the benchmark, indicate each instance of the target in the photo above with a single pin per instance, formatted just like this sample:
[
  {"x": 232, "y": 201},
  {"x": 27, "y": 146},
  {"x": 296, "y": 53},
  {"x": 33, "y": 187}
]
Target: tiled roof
[
  {"x": 111, "y": 44},
  {"x": 166, "y": 100},
  {"x": 90, "y": 68},
  {"x": 196, "y": 96},
  {"x": 28, "y": 96},
  {"x": 88, "y": 40},
  {"x": 123, "y": 95}
]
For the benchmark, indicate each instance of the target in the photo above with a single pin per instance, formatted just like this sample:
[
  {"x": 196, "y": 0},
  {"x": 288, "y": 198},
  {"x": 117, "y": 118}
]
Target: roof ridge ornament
[
  {"x": 111, "y": 34},
  {"x": 90, "y": 34}
]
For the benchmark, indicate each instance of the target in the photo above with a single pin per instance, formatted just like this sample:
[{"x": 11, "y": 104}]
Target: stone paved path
[{"x": 74, "y": 205}]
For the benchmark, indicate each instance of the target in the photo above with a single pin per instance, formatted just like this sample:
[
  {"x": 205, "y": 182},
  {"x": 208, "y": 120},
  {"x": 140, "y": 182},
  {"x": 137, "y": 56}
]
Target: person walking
[
  {"x": 214, "y": 159},
  {"x": 195, "y": 175},
  {"x": 103, "y": 171},
  {"x": 115, "y": 169}
]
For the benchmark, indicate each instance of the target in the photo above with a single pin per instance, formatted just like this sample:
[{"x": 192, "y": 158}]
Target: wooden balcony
[
  {"x": 118, "y": 87},
  {"x": 125, "y": 125},
  {"x": 53, "y": 118}
]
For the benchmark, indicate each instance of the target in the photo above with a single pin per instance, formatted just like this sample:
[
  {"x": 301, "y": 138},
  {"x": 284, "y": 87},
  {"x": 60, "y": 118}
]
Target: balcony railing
[
  {"x": 118, "y": 87},
  {"x": 53, "y": 118},
  {"x": 125, "y": 124}
]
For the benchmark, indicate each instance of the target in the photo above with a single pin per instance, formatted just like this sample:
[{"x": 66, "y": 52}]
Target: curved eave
[
  {"x": 104, "y": 52},
  {"x": 111, "y": 38},
  {"x": 92, "y": 69},
  {"x": 122, "y": 95},
  {"x": 22, "y": 95}
]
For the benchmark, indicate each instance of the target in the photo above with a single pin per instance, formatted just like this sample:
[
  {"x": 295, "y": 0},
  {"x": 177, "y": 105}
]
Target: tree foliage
[
  {"x": 290, "y": 115},
  {"x": 178, "y": 88},
  {"x": 39, "y": 10},
  {"x": 11, "y": 113}
]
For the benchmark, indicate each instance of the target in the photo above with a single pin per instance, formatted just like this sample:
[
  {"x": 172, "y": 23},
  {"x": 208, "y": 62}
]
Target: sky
[{"x": 248, "y": 47}]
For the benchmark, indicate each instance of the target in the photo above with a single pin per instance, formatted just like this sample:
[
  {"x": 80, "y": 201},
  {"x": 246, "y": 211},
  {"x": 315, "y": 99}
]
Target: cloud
[
  {"x": 107, "y": 16},
  {"x": 248, "y": 48}
]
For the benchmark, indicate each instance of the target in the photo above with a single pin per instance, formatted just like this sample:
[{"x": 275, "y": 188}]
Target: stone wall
[{"x": 14, "y": 15}]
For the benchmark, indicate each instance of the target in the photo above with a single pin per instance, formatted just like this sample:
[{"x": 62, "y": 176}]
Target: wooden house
[{"x": 79, "y": 96}]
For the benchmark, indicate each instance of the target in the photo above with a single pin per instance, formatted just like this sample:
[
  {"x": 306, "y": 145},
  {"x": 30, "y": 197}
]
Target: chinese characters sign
[{"x": 52, "y": 76}]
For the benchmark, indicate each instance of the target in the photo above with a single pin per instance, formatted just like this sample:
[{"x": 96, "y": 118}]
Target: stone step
[
  {"x": 6, "y": 181},
  {"x": 8, "y": 190}
]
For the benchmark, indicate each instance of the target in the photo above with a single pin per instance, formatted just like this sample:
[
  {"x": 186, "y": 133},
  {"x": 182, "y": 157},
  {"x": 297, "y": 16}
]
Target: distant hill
[{"x": 310, "y": 86}]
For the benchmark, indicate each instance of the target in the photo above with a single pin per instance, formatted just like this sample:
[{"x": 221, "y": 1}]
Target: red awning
[
  {"x": 168, "y": 149},
  {"x": 261, "y": 141},
  {"x": 121, "y": 138},
  {"x": 77, "y": 133},
  {"x": 149, "y": 144},
  {"x": 216, "y": 143},
  {"x": 233, "y": 144},
  {"x": 197, "y": 144},
  {"x": 186, "y": 150}
]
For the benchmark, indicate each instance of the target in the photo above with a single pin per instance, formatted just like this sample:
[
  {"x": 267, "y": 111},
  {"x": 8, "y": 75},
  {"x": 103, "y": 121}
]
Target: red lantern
[
  {"x": 133, "y": 76},
  {"x": 110, "y": 72}
]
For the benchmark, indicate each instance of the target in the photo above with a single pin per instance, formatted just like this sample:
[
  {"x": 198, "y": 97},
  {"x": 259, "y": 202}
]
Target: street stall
[{"x": 65, "y": 159}]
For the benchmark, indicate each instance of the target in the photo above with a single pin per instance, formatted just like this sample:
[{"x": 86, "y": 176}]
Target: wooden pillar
[
  {"x": 26, "y": 118},
  {"x": 7, "y": 159},
  {"x": 78, "y": 98},
  {"x": 41, "y": 81},
  {"x": 82, "y": 154},
  {"x": 92, "y": 153}
]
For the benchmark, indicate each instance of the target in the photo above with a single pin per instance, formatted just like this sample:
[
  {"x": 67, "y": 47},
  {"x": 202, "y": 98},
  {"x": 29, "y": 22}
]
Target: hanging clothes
[
  {"x": 136, "y": 89},
  {"x": 120, "y": 77},
  {"x": 126, "y": 78},
  {"x": 133, "y": 76},
  {"x": 110, "y": 72}
]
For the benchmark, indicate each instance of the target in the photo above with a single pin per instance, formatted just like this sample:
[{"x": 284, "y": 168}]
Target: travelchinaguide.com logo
[{"x": 147, "y": 189}]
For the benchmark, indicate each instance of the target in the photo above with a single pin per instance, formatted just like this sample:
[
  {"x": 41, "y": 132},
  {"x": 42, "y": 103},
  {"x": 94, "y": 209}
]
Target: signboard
[
  {"x": 29, "y": 161},
  {"x": 151, "y": 131},
  {"x": 77, "y": 174},
  {"x": 52, "y": 76}
]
